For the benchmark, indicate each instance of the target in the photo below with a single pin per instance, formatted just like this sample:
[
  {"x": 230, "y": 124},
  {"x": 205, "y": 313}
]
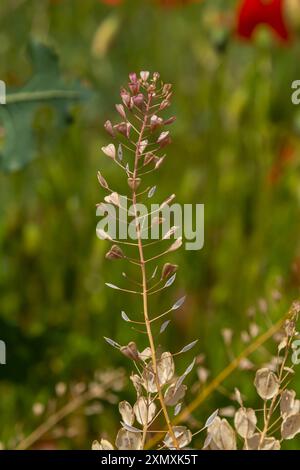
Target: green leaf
[{"x": 45, "y": 87}]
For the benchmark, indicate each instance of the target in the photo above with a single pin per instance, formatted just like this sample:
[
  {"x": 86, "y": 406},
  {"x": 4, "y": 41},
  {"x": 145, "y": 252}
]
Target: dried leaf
[
  {"x": 266, "y": 383},
  {"x": 120, "y": 152},
  {"x": 127, "y": 440},
  {"x": 130, "y": 428},
  {"x": 126, "y": 412},
  {"x": 290, "y": 426},
  {"x": 164, "y": 326},
  {"x": 186, "y": 372},
  {"x": 170, "y": 281},
  {"x": 112, "y": 342},
  {"x": 178, "y": 303},
  {"x": 151, "y": 191},
  {"x": 211, "y": 419},
  {"x": 183, "y": 436},
  {"x": 177, "y": 409},
  {"x": 188, "y": 347},
  {"x": 170, "y": 232},
  {"x": 245, "y": 422},
  {"x": 124, "y": 316},
  {"x": 144, "y": 410},
  {"x": 112, "y": 286},
  {"x": 103, "y": 235}
]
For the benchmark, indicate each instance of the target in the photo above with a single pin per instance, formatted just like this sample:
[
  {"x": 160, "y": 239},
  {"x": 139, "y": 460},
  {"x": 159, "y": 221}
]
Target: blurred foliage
[{"x": 236, "y": 149}]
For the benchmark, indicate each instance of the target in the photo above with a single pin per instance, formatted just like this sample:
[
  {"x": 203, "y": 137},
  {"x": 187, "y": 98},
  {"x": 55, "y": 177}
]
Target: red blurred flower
[
  {"x": 252, "y": 13},
  {"x": 165, "y": 3}
]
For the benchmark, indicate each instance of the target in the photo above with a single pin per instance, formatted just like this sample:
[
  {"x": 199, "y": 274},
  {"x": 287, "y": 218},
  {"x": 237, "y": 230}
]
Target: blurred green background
[{"x": 236, "y": 148}]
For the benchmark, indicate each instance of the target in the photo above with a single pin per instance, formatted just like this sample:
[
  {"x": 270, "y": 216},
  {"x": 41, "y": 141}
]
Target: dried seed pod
[
  {"x": 173, "y": 395},
  {"x": 268, "y": 443},
  {"x": 102, "y": 180},
  {"x": 221, "y": 435},
  {"x": 134, "y": 183},
  {"x": 126, "y": 412},
  {"x": 130, "y": 351},
  {"x": 109, "y": 128},
  {"x": 288, "y": 404},
  {"x": 102, "y": 445},
  {"x": 290, "y": 426},
  {"x": 148, "y": 379},
  {"x": 168, "y": 269},
  {"x": 113, "y": 198},
  {"x": 266, "y": 383},
  {"x": 144, "y": 410},
  {"x": 245, "y": 422},
  {"x": 142, "y": 146},
  {"x": 145, "y": 354},
  {"x": 127, "y": 440},
  {"x": 148, "y": 158},
  {"x": 165, "y": 368},
  {"x": 183, "y": 436},
  {"x": 109, "y": 150},
  {"x": 137, "y": 383},
  {"x": 177, "y": 244},
  {"x": 114, "y": 253}
]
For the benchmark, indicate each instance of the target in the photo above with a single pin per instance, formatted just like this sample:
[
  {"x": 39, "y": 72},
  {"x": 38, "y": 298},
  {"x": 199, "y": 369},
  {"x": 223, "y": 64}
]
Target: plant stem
[{"x": 144, "y": 284}]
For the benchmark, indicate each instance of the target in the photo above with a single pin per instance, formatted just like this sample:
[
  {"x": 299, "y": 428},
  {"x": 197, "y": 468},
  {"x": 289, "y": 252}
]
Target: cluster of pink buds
[{"x": 142, "y": 103}]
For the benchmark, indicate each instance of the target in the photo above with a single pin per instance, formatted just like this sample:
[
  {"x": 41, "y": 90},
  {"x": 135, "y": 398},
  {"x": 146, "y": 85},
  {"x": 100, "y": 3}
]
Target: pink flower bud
[
  {"x": 125, "y": 95},
  {"x": 134, "y": 87},
  {"x": 109, "y": 128},
  {"x": 121, "y": 110},
  {"x": 170, "y": 120},
  {"x": 133, "y": 77},
  {"x": 123, "y": 128},
  {"x": 138, "y": 100},
  {"x": 144, "y": 75},
  {"x": 164, "y": 139},
  {"x": 164, "y": 104},
  {"x": 155, "y": 122}
]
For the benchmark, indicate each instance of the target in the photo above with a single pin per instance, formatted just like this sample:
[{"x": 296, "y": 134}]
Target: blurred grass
[{"x": 236, "y": 149}]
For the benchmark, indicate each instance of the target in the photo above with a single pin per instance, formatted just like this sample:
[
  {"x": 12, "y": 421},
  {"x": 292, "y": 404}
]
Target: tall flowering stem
[{"x": 142, "y": 136}]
